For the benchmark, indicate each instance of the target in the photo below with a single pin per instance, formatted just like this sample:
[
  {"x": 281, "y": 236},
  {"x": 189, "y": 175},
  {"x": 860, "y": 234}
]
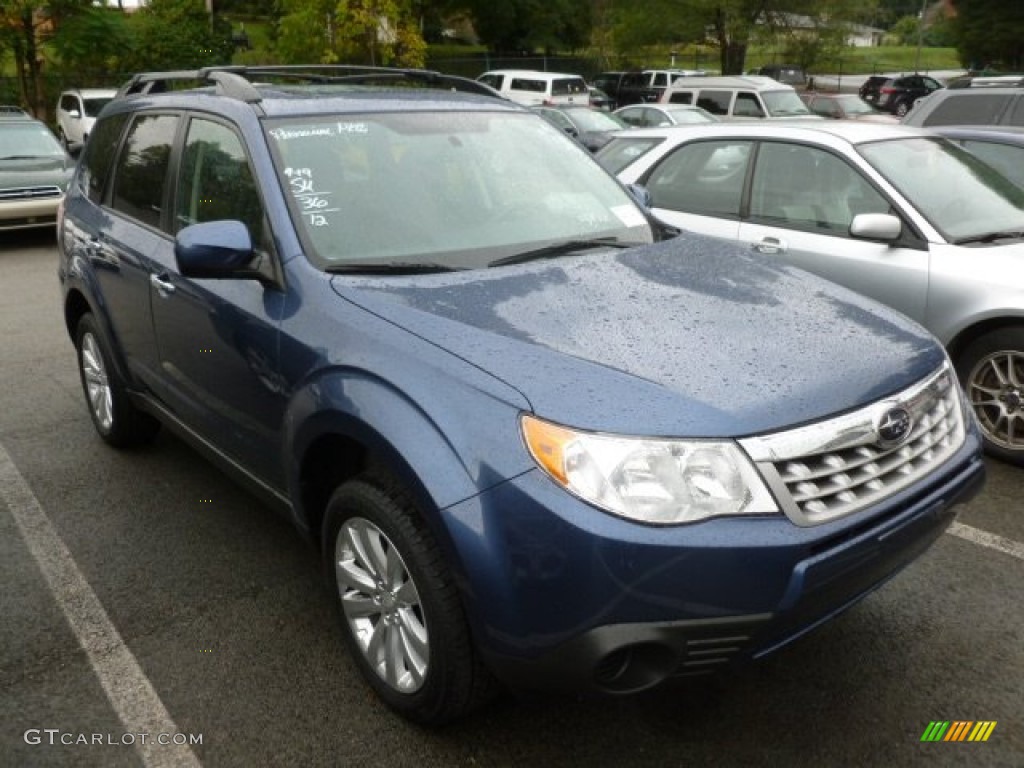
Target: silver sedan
[{"x": 896, "y": 213}]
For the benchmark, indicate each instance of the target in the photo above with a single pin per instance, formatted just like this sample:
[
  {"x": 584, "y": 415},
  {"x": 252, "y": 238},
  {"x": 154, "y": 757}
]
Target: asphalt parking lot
[{"x": 147, "y": 599}]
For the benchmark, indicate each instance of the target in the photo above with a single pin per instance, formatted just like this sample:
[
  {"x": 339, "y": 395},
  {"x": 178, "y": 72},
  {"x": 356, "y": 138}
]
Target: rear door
[{"x": 699, "y": 186}]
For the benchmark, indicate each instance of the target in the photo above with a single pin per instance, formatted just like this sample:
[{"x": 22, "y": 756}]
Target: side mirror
[
  {"x": 74, "y": 114},
  {"x": 876, "y": 226},
  {"x": 641, "y": 194},
  {"x": 215, "y": 249}
]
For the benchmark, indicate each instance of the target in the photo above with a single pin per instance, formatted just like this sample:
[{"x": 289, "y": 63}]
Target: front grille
[
  {"x": 834, "y": 468},
  {"x": 29, "y": 193}
]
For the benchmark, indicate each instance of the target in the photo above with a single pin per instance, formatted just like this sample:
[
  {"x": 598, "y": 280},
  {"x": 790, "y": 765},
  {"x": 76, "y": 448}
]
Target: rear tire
[
  {"x": 991, "y": 370},
  {"x": 115, "y": 417},
  {"x": 400, "y": 611}
]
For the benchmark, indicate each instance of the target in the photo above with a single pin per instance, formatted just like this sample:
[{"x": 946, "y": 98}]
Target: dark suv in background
[
  {"x": 898, "y": 94},
  {"x": 535, "y": 437}
]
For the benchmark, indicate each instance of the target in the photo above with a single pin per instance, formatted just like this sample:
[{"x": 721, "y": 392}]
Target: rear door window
[
  {"x": 1015, "y": 116},
  {"x": 681, "y": 97},
  {"x": 704, "y": 177}
]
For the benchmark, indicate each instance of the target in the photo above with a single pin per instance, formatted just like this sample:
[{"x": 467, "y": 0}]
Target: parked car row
[{"x": 538, "y": 436}]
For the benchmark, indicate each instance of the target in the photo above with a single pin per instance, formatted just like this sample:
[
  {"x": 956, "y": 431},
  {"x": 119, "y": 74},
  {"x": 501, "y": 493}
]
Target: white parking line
[
  {"x": 986, "y": 539},
  {"x": 130, "y": 693}
]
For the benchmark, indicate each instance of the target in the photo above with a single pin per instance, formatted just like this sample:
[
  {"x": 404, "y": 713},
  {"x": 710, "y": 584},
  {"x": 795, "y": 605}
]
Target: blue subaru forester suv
[{"x": 537, "y": 438}]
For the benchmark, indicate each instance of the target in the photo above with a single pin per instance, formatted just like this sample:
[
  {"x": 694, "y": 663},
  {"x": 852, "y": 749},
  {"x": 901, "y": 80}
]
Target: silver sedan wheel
[
  {"x": 995, "y": 388},
  {"x": 97, "y": 385},
  {"x": 382, "y": 605}
]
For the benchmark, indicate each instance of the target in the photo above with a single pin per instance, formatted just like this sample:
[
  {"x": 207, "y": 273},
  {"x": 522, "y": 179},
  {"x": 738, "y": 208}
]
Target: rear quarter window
[
  {"x": 98, "y": 156},
  {"x": 522, "y": 84},
  {"x": 968, "y": 109},
  {"x": 619, "y": 153}
]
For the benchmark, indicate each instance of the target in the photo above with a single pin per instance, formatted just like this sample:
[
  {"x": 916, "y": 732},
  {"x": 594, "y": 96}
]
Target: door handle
[
  {"x": 770, "y": 245},
  {"x": 162, "y": 284}
]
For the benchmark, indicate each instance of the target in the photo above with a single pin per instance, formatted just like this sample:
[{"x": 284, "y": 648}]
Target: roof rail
[
  {"x": 987, "y": 81},
  {"x": 236, "y": 81}
]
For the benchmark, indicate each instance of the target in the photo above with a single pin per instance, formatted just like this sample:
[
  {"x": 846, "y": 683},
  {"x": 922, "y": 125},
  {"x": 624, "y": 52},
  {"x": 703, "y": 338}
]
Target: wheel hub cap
[
  {"x": 995, "y": 388},
  {"x": 382, "y": 605}
]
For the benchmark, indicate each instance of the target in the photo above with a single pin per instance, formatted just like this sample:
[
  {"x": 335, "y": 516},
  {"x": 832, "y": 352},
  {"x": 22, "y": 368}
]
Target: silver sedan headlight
[{"x": 649, "y": 480}]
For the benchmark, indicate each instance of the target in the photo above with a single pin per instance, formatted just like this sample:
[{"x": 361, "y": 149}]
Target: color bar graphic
[{"x": 958, "y": 730}]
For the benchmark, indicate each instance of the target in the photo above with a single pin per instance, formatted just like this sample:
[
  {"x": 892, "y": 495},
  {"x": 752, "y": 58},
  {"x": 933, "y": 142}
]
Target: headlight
[{"x": 650, "y": 480}]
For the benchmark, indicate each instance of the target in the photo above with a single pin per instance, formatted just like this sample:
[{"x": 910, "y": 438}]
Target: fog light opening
[{"x": 634, "y": 668}]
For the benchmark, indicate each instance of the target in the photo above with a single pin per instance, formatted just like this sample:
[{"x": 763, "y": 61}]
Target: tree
[
  {"x": 24, "y": 29},
  {"x": 989, "y": 33},
  {"x": 376, "y": 32},
  {"x": 732, "y": 25},
  {"x": 513, "y": 26},
  {"x": 177, "y": 34}
]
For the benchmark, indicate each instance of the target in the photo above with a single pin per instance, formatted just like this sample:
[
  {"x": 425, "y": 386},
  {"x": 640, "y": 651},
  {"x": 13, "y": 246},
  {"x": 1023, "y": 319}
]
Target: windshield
[
  {"x": 27, "y": 140},
  {"x": 960, "y": 195},
  {"x": 854, "y": 105},
  {"x": 457, "y": 189},
  {"x": 784, "y": 103}
]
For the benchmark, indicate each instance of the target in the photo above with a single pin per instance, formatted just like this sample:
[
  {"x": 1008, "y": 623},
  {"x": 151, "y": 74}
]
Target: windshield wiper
[
  {"x": 991, "y": 237},
  {"x": 559, "y": 249},
  {"x": 388, "y": 268}
]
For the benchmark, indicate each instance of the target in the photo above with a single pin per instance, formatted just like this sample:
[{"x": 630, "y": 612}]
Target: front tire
[
  {"x": 401, "y": 615},
  {"x": 991, "y": 370},
  {"x": 115, "y": 417}
]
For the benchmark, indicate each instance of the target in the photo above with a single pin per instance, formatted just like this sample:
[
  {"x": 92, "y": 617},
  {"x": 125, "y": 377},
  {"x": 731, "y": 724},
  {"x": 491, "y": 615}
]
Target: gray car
[
  {"x": 893, "y": 212},
  {"x": 34, "y": 174}
]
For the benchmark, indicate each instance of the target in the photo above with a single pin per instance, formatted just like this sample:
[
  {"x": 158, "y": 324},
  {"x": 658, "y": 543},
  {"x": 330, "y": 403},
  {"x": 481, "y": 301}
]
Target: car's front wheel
[
  {"x": 991, "y": 370},
  {"x": 902, "y": 109},
  {"x": 400, "y": 610},
  {"x": 115, "y": 417}
]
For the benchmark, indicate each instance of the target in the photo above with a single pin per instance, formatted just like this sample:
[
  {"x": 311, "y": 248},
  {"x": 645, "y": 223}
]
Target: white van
[
  {"x": 531, "y": 87},
  {"x": 749, "y": 96}
]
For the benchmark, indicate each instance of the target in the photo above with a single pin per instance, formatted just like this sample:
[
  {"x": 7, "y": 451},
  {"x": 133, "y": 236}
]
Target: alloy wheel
[
  {"x": 97, "y": 384},
  {"x": 995, "y": 388},
  {"x": 382, "y": 605}
]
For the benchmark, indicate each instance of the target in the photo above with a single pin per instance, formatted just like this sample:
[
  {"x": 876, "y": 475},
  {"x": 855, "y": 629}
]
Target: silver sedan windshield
[{"x": 452, "y": 189}]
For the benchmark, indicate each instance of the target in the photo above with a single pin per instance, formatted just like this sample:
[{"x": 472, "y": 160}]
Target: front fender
[{"x": 448, "y": 448}]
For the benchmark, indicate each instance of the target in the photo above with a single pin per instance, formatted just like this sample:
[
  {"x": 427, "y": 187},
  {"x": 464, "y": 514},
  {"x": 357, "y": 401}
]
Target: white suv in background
[
  {"x": 76, "y": 112},
  {"x": 533, "y": 88}
]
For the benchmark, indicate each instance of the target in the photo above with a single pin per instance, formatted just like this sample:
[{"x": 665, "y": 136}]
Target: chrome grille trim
[
  {"x": 29, "y": 193},
  {"x": 834, "y": 468}
]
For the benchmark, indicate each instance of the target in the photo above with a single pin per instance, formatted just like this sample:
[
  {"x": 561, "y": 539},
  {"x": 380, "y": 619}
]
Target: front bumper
[
  {"x": 563, "y": 596},
  {"x": 29, "y": 213}
]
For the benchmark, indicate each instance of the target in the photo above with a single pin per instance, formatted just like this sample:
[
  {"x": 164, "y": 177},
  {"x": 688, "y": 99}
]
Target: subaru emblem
[{"x": 894, "y": 427}]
